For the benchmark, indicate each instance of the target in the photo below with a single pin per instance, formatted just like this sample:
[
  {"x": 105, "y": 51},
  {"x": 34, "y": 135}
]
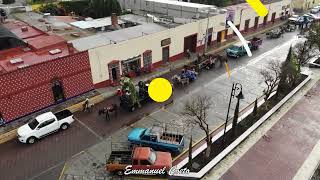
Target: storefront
[{"x": 131, "y": 66}]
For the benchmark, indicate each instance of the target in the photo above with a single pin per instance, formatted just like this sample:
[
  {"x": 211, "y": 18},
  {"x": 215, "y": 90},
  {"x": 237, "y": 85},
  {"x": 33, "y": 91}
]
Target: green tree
[
  {"x": 289, "y": 73},
  {"x": 51, "y": 8},
  {"x": 103, "y": 8},
  {"x": 313, "y": 36}
]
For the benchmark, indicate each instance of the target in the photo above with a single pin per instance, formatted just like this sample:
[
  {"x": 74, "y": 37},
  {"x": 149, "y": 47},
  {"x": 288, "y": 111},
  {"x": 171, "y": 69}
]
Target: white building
[{"x": 148, "y": 45}]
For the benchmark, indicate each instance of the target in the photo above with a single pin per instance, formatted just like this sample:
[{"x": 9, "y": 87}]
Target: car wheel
[
  {"x": 64, "y": 126},
  {"x": 132, "y": 108},
  {"x": 31, "y": 140},
  {"x": 120, "y": 173}
]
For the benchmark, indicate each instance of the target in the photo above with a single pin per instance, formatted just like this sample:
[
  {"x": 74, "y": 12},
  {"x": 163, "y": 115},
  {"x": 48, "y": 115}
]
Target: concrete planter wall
[{"x": 235, "y": 143}]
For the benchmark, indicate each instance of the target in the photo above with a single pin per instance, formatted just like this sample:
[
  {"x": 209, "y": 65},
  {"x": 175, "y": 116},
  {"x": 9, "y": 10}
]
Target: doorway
[
  {"x": 246, "y": 25},
  {"x": 114, "y": 72},
  {"x": 221, "y": 36},
  {"x": 165, "y": 54},
  {"x": 265, "y": 19},
  {"x": 57, "y": 90},
  {"x": 256, "y": 22},
  {"x": 209, "y": 37},
  {"x": 273, "y": 17},
  {"x": 190, "y": 42}
]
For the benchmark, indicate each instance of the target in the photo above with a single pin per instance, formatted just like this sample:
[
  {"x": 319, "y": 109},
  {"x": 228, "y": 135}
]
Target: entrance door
[
  {"x": 246, "y": 25},
  {"x": 114, "y": 73},
  {"x": 265, "y": 19},
  {"x": 190, "y": 43},
  {"x": 273, "y": 17},
  {"x": 165, "y": 54},
  {"x": 57, "y": 91},
  {"x": 209, "y": 37},
  {"x": 256, "y": 22},
  {"x": 219, "y": 36}
]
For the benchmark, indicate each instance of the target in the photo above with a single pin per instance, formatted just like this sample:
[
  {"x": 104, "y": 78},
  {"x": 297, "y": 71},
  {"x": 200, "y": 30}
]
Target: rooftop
[
  {"x": 181, "y": 3},
  {"x": 39, "y": 47},
  {"x": 145, "y": 26}
]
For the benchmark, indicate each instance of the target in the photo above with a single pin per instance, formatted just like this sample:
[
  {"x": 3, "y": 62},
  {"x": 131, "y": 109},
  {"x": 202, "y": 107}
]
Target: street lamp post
[{"x": 235, "y": 86}]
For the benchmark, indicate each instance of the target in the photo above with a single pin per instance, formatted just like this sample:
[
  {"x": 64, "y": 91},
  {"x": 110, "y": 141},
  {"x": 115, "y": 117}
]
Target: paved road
[
  {"x": 44, "y": 159},
  {"x": 213, "y": 83},
  {"x": 288, "y": 144}
]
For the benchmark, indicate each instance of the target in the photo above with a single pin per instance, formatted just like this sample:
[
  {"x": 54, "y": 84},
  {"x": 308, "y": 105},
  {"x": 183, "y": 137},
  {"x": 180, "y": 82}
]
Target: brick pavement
[{"x": 285, "y": 147}]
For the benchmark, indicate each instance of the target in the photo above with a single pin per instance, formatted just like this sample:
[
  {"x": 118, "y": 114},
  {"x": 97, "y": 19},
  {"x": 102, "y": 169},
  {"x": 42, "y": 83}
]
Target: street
[{"x": 46, "y": 158}]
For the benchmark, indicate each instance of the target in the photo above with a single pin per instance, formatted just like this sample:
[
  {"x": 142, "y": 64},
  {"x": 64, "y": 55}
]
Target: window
[
  {"x": 144, "y": 162},
  {"x": 146, "y": 138},
  {"x": 33, "y": 124},
  {"x": 153, "y": 156},
  {"x": 154, "y": 138},
  {"x": 46, "y": 123},
  {"x": 50, "y": 121}
]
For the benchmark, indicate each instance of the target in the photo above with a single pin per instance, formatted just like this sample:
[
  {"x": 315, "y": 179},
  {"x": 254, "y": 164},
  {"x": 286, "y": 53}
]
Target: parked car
[
  {"x": 315, "y": 10},
  {"x": 302, "y": 20},
  {"x": 44, "y": 125},
  {"x": 157, "y": 138},
  {"x": 274, "y": 34},
  {"x": 237, "y": 50},
  {"x": 255, "y": 43},
  {"x": 293, "y": 19},
  {"x": 139, "y": 159}
]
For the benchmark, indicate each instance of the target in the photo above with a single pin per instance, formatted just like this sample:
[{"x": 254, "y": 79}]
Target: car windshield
[
  {"x": 235, "y": 48},
  {"x": 152, "y": 157},
  {"x": 143, "y": 132},
  {"x": 33, "y": 124}
]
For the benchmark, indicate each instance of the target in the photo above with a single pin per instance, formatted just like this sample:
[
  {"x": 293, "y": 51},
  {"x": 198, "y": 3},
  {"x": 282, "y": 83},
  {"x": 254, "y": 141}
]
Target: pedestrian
[
  {"x": 188, "y": 54},
  {"x": 107, "y": 114},
  {"x": 2, "y": 121},
  {"x": 85, "y": 105}
]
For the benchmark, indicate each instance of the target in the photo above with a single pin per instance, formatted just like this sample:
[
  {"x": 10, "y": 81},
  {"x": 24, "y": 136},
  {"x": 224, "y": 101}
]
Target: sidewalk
[{"x": 288, "y": 150}]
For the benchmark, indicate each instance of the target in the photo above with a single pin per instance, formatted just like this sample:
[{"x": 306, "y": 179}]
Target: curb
[{"x": 247, "y": 133}]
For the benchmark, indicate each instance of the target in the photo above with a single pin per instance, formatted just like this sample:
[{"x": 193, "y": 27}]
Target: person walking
[
  {"x": 106, "y": 111},
  {"x": 2, "y": 121}
]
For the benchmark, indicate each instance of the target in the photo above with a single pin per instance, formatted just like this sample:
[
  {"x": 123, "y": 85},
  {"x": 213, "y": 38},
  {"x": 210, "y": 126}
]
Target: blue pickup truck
[{"x": 157, "y": 138}]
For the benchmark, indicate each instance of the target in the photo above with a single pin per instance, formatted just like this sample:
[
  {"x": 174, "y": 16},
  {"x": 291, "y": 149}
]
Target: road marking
[
  {"x": 63, "y": 169},
  {"x": 47, "y": 170},
  {"x": 84, "y": 125},
  {"x": 245, "y": 44}
]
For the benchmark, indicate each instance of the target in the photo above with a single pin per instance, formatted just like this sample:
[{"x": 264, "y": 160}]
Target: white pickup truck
[{"x": 44, "y": 125}]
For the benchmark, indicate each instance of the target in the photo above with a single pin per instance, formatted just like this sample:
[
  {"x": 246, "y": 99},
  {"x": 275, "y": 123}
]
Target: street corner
[{"x": 83, "y": 166}]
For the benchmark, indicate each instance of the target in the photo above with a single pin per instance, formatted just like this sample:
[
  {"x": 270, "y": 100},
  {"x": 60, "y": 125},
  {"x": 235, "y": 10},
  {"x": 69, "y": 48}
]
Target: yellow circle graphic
[{"x": 160, "y": 89}]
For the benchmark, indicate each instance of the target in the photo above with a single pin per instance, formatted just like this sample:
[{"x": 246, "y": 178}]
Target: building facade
[
  {"x": 44, "y": 71},
  {"x": 111, "y": 61}
]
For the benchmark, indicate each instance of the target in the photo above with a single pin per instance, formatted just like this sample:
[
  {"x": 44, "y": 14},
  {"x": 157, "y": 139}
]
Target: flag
[{"x": 228, "y": 69}]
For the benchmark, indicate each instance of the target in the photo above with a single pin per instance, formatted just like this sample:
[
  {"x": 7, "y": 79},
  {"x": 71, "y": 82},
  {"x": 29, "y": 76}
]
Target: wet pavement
[
  {"x": 281, "y": 152},
  {"x": 45, "y": 158},
  {"x": 212, "y": 83}
]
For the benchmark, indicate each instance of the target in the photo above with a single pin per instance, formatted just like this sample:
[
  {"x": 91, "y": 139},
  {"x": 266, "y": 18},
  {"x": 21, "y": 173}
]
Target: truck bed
[
  {"x": 173, "y": 138},
  {"x": 120, "y": 157},
  {"x": 63, "y": 114}
]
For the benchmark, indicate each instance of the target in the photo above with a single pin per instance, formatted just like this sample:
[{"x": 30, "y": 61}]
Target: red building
[{"x": 38, "y": 70}]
